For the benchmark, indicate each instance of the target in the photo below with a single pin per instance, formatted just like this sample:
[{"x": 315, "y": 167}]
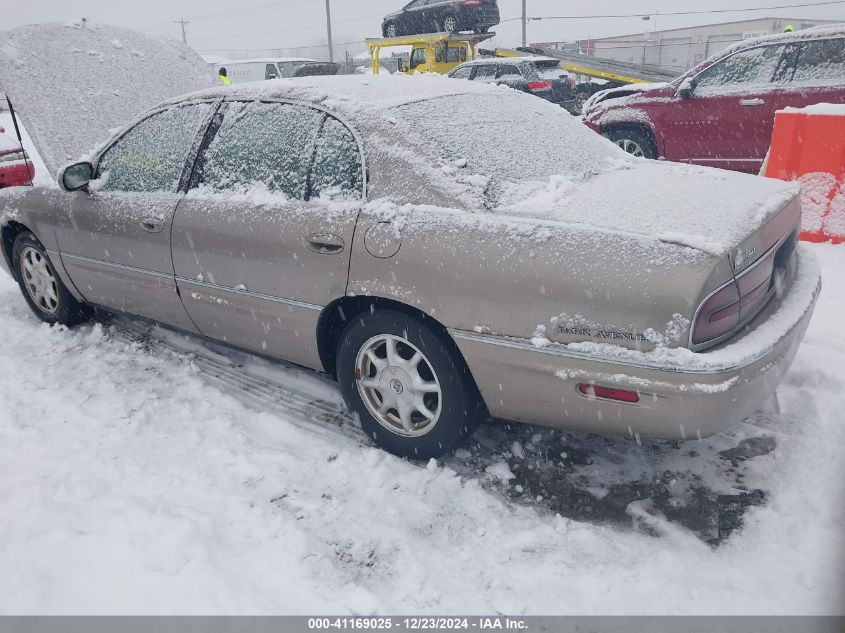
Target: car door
[
  {"x": 415, "y": 18},
  {"x": 261, "y": 242},
  {"x": 485, "y": 72},
  {"x": 114, "y": 240},
  {"x": 727, "y": 121},
  {"x": 818, "y": 75}
]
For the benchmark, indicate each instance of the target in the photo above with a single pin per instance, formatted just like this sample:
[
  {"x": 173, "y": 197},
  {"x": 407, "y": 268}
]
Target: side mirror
[
  {"x": 687, "y": 89},
  {"x": 77, "y": 176}
]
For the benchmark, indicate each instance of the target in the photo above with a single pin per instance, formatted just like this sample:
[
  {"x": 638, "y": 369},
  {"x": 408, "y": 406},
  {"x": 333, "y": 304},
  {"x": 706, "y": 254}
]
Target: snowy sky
[{"x": 216, "y": 25}]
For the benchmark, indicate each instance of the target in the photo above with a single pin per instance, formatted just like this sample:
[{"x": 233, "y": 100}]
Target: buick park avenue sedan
[{"x": 401, "y": 235}]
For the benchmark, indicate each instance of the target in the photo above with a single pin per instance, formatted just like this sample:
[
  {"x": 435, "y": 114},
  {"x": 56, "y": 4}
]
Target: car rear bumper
[{"x": 698, "y": 397}]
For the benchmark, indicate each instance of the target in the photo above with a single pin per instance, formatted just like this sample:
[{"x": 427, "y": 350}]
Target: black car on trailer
[{"x": 435, "y": 16}]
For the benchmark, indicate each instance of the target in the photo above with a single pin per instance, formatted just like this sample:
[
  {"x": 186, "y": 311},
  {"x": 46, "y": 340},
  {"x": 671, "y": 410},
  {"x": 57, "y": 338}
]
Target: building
[{"x": 677, "y": 50}]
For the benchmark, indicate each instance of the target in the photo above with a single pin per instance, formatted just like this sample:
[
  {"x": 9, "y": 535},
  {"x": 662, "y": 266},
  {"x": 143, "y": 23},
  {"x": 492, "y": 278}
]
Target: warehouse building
[{"x": 677, "y": 50}]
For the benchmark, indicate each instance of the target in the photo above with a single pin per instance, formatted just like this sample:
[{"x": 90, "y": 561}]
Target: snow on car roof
[{"x": 349, "y": 94}]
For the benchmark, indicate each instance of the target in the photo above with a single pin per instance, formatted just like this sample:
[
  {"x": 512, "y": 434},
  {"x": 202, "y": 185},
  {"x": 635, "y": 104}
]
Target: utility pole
[
  {"x": 524, "y": 23},
  {"x": 329, "y": 29},
  {"x": 183, "y": 22}
]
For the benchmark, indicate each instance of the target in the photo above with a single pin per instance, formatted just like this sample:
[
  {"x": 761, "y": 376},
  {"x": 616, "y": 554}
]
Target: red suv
[{"x": 721, "y": 113}]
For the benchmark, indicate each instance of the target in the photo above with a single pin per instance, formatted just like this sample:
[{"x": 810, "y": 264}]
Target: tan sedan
[{"x": 447, "y": 251}]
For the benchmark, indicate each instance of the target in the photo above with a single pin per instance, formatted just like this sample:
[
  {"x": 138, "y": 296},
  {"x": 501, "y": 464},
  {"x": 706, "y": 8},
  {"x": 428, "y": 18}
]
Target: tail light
[
  {"x": 471, "y": 3},
  {"x": 539, "y": 86},
  {"x": 739, "y": 301},
  {"x": 14, "y": 155},
  {"x": 608, "y": 393}
]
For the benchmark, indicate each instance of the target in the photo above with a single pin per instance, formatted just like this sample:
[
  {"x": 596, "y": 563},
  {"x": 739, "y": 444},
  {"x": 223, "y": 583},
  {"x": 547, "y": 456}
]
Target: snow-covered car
[
  {"x": 400, "y": 235},
  {"x": 722, "y": 112}
]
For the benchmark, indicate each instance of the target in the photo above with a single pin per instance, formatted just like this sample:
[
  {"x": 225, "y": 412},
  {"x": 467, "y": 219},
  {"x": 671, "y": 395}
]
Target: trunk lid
[{"x": 71, "y": 84}]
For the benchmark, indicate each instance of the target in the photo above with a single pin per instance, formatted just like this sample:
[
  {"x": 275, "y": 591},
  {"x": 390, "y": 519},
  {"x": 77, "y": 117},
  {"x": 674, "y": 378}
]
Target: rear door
[
  {"x": 728, "y": 120},
  {"x": 115, "y": 241},
  {"x": 818, "y": 75},
  {"x": 261, "y": 242},
  {"x": 416, "y": 17}
]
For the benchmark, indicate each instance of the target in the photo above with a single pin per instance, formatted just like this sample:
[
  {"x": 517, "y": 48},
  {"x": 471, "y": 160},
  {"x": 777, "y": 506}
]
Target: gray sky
[{"x": 241, "y": 28}]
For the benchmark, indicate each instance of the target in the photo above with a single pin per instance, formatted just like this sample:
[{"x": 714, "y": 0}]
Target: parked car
[
  {"x": 434, "y": 16},
  {"x": 539, "y": 76},
  {"x": 448, "y": 251},
  {"x": 721, "y": 113},
  {"x": 15, "y": 167}
]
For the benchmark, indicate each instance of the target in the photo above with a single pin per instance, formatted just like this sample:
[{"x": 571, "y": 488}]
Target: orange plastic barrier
[{"x": 810, "y": 147}]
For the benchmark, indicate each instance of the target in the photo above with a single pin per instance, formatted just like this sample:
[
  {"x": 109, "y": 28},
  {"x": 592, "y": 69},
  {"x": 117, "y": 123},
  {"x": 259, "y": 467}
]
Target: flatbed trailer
[{"x": 593, "y": 67}]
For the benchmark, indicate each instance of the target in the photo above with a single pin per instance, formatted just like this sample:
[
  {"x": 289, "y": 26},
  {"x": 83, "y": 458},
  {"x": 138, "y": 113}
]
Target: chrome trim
[
  {"x": 101, "y": 262},
  {"x": 247, "y": 293},
  {"x": 697, "y": 347}
]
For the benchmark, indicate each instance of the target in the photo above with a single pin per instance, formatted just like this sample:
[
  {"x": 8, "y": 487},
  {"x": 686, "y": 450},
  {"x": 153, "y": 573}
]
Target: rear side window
[
  {"x": 262, "y": 147},
  {"x": 337, "y": 163},
  {"x": 151, "y": 156},
  {"x": 752, "y": 68},
  {"x": 508, "y": 71},
  {"x": 485, "y": 72},
  {"x": 821, "y": 63}
]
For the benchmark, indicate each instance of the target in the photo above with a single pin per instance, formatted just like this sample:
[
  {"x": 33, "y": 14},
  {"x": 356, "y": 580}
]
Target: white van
[{"x": 242, "y": 70}]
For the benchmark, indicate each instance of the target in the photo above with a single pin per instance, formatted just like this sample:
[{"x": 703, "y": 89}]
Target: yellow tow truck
[{"x": 431, "y": 52}]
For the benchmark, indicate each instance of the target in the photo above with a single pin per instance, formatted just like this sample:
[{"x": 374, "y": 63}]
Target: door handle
[
  {"x": 751, "y": 102},
  {"x": 324, "y": 243},
  {"x": 152, "y": 225}
]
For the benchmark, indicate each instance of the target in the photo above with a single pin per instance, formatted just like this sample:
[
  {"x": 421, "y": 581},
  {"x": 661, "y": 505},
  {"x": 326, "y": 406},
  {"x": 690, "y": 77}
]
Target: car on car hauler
[{"x": 721, "y": 113}]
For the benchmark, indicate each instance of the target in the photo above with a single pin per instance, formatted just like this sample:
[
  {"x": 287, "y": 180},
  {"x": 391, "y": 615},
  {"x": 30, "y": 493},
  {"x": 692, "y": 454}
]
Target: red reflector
[
  {"x": 472, "y": 3},
  {"x": 595, "y": 391},
  {"x": 536, "y": 86}
]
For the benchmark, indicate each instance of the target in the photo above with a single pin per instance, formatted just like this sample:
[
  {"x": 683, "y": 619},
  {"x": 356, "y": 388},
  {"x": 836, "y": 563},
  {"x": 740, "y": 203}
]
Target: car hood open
[{"x": 72, "y": 84}]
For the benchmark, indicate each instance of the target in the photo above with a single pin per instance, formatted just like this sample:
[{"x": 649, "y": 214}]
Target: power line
[
  {"x": 647, "y": 14},
  {"x": 290, "y": 30}
]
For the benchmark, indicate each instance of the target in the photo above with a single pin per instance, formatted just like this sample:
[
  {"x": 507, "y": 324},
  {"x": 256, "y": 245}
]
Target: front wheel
[
  {"x": 390, "y": 30},
  {"x": 42, "y": 288},
  {"x": 633, "y": 141},
  {"x": 450, "y": 24},
  {"x": 411, "y": 391}
]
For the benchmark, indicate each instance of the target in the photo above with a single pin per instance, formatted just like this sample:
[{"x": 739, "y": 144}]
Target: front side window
[
  {"x": 337, "y": 163},
  {"x": 262, "y": 147},
  {"x": 821, "y": 63},
  {"x": 151, "y": 156},
  {"x": 752, "y": 68},
  {"x": 417, "y": 57},
  {"x": 462, "y": 73}
]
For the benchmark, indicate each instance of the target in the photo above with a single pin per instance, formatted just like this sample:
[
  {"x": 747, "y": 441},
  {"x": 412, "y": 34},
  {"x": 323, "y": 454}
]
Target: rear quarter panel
[{"x": 499, "y": 275}]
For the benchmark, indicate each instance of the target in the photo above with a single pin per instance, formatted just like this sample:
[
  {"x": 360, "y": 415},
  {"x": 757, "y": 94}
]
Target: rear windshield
[{"x": 509, "y": 138}]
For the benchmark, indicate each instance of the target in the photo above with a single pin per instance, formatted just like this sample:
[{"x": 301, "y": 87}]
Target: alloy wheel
[
  {"x": 39, "y": 280},
  {"x": 391, "y": 30},
  {"x": 398, "y": 385},
  {"x": 450, "y": 24},
  {"x": 632, "y": 147}
]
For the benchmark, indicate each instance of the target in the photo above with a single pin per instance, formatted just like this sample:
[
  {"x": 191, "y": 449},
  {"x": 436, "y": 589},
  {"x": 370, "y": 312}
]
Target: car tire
[
  {"x": 390, "y": 30},
  {"x": 634, "y": 141},
  {"x": 450, "y": 24},
  {"x": 377, "y": 375},
  {"x": 41, "y": 286}
]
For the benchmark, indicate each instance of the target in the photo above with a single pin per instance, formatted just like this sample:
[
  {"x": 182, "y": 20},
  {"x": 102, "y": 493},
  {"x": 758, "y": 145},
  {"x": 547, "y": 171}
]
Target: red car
[
  {"x": 15, "y": 167},
  {"x": 721, "y": 113}
]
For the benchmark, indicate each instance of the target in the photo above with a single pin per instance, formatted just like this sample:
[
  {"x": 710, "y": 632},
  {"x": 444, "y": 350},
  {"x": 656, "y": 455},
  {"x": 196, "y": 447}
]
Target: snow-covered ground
[{"x": 130, "y": 484}]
